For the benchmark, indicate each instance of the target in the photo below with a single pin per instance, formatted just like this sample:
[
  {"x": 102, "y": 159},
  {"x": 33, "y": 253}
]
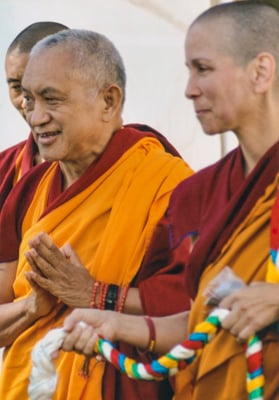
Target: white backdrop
[{"x": 150, "y": 36}]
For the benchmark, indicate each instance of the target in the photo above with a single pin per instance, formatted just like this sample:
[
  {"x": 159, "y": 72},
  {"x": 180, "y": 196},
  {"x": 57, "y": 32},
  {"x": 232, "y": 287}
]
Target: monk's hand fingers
[
  {"x": 48, "y": 267},
  {"x": 76, "y": 316},
  {"x": 72, "y": 287},
  {"x": 71, "y": 339},
  {"x": 47, "y": 253},
  {"x": 36, "y": 275},
  {"x": 81, "y": 339},
  {"x": 29, "y": 276},
  {"x": 39, "y": 264},
  {"x": 258, "y": 306},
  {"x": 105, "y": 323},
  {"x": 240, "y": 322},
  {"x": 70, "y": 254},
  {"x": 38, "y": 281},
  {"x": 89, "y": 340},
  {"x": 40, "y": 302},
  {"x": 31, "y": 257}
]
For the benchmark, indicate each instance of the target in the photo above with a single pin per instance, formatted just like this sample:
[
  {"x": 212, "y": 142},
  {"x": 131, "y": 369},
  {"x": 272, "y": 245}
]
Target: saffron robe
[
  {"x": 227, "y": 216},
  {"x": 14, "y": 163},
  {"x": 108, "y": 216}
]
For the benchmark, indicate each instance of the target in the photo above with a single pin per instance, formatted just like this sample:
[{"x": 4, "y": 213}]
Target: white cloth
[{"x": 43, "y": 378}]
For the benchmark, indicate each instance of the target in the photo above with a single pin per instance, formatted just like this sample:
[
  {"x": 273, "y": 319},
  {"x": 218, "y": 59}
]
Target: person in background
[
  {"x": 225, "y": 209},
  {"x": 101, "y": 193},
  {"x": 18, "y": 159}
]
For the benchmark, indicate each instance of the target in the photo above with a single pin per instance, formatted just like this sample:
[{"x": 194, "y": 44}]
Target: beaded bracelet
[
  {"x": 122, "y": 298},
  {"x": 102, "y": 295},
  {"x": 96, "y": 284},
  {"x": 110, "y": 297}
]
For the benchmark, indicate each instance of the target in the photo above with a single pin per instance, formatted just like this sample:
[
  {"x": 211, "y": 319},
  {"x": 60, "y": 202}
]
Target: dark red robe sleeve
[
  {"x": 13, "y": 211},
  {"x": 7, "y": 169}
]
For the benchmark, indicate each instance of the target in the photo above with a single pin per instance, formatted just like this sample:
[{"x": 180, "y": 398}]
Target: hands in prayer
[{"x": 59, "y": 271}]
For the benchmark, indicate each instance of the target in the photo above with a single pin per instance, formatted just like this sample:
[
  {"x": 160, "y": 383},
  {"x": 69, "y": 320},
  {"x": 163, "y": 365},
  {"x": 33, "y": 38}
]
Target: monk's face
[
  {"x": 63, "y": 112},
  {"x": 219, "y": 88},
  {"x": 15, "y": 64}
]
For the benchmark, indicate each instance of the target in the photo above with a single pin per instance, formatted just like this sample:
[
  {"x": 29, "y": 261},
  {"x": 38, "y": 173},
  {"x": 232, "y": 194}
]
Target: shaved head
[
  {"x": 93, "y": 57},
  {"x": 29, "y": 36},
  {"x": 245, "y": 29}
]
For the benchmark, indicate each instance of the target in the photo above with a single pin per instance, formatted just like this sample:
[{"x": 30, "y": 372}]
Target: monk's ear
[
  {"x": 263, "y": 72},
  {"x": 113, "y": 98}
]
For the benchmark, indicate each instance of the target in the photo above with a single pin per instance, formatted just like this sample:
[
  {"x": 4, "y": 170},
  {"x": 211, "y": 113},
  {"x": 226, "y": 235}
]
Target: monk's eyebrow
[
  {"x": 48, "y": 91},
  {"x": 44, "y": 92},
  {"x": 13, "y": 80},
  {"x": 196, "y": 61}
]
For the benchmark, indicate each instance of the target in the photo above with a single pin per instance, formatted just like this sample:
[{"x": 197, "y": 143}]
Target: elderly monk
[{"x": 102, "y": 194}]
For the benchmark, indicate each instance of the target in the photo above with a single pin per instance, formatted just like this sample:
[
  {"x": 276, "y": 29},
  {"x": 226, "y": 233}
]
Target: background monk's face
[
  {"x": 62, "y": 111},
  {"x": 15, "y": 65},
  {"x": 218, "y": 87}
]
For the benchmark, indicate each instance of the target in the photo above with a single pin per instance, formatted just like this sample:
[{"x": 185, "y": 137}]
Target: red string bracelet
[
  {"x": 152, "y": 336},
  {"x": 152, "y": 333}
]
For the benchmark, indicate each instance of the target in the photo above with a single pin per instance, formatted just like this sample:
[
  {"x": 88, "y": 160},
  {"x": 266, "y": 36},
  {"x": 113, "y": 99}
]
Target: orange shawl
[{"x": 109, "y": 224}]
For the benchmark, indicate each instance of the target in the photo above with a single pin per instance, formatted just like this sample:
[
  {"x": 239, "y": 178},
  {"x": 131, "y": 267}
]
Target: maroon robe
[{"x": 8, "y": 159}]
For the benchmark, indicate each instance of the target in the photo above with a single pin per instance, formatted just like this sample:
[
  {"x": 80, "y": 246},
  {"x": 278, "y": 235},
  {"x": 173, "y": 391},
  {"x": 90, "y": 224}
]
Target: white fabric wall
[{"x": 150, "y": 36}]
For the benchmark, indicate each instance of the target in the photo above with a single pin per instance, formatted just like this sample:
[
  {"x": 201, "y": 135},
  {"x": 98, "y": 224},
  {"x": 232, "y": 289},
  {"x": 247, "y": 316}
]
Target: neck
[
  {"x": 38, "y": 159},
  {"x": 259, "y": 135},
  {"x": 254, "y": 148},
  {"x": 72, "y": 170}
]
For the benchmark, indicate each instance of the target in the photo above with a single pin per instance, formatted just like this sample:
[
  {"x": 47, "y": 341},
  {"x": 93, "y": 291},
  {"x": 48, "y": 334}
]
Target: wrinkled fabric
[{"x": 108, "y": 216}]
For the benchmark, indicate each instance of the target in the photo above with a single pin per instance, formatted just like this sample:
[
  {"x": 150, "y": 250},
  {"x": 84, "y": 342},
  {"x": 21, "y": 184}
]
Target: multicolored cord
[
  {"x": 183, "y": 354},
  {"x": 43, "y": 378},
  {"x": 176, "y": 359}
]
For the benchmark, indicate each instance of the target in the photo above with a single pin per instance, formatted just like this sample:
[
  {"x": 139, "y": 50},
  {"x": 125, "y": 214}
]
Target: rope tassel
[{"x": 167, "y": 365}]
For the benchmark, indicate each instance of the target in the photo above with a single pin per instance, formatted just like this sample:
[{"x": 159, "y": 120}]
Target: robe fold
[{"x": 108, "y": 216}]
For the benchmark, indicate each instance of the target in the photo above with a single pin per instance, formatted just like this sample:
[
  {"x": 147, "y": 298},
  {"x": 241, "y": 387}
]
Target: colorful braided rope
[
  {"x": 255, "y": 377},
  {"x": 183, "y": 354},
  {"x": 179, "y": 356}
]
